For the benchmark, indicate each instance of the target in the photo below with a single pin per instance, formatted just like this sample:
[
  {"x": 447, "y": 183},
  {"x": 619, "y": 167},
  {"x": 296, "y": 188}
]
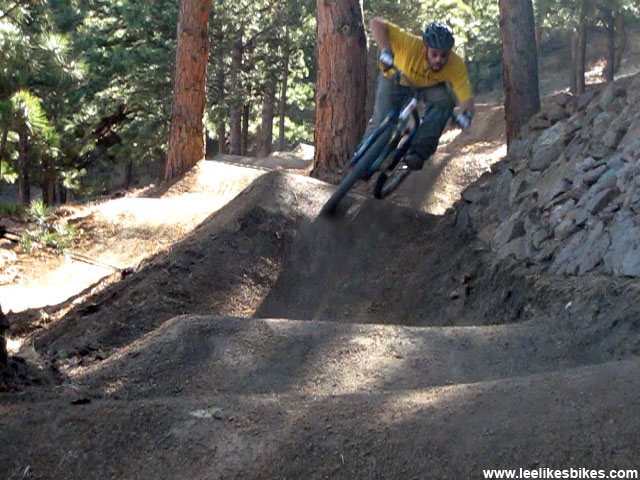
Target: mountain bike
[{"x": 384, "y": 149}]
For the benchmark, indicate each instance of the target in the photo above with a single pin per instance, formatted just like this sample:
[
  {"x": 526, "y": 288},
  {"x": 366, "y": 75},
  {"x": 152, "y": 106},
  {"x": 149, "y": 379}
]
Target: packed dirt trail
[{"x": 256, "y": 339}]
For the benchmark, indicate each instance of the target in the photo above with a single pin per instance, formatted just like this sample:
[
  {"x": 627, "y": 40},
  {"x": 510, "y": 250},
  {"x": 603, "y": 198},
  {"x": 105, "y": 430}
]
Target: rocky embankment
[{"x": 567, "y": 196}]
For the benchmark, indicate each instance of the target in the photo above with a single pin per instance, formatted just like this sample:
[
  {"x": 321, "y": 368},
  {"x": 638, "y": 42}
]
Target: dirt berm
[{"x": 382, "y": 343}]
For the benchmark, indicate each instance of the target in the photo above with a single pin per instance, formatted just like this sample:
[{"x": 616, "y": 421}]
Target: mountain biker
[{"x": 434, "y": 68}]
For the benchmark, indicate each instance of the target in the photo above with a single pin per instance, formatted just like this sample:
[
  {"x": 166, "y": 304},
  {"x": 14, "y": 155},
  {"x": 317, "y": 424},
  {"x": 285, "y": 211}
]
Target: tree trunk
[
  {"x": 581, "y": 52},
  {"x": 222, "y": 126},
  {"x": 573, "y": 68},
  {"x": 128, "y": 175},
  {"x": 48, "y": 187},
  {"x": 3, "y": 152},
  {"x": 235, "y": 110},
  {"x": 609, "y": 26},
  {"x": 24, "y": 192},
  {"x": 246, "y": 111},
  {"x": 520, "y": 67},
  {"x": 268, "y": 112},
  {"x": 186, "y": 137},
  {"x": 621, "y": 35},
  {"x": 286, "y": 56},
  {"x": 222, "y": 136},
  {"x": 341, "y": 85},
  {"x": 4, "y": 325},
  {"x": 62, "y": 193}
]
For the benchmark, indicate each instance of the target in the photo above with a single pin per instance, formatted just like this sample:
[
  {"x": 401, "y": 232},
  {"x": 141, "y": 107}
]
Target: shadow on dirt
[
  {"x": 267, "y": 255},
  {"x": 239, "y": 396}
]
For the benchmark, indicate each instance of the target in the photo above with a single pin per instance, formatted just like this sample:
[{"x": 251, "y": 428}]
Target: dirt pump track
[{"x": 386, "y": 342}]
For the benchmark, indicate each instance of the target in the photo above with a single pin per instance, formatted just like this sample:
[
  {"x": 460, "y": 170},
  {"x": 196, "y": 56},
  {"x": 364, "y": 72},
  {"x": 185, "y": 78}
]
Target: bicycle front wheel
[{"x": 359, "y": 170}]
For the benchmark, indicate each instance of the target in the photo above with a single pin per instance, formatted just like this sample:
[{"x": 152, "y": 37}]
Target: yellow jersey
[{"x": 409, "y": 57}]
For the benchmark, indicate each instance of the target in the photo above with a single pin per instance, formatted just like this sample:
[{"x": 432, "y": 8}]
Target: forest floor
[{"x": 237, "y": 334}]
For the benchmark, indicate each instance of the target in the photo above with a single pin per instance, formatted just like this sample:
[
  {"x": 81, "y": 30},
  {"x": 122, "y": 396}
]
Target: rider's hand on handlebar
[
  {"x": 386, "y": 59},
  {"x": 463, "y": 119}
]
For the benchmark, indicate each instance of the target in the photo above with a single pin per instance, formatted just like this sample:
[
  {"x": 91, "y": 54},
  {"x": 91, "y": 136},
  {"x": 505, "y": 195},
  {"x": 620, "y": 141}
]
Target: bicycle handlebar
[
  {"x": 398, "y": 75},
  {"x": 463, "y": 120}
]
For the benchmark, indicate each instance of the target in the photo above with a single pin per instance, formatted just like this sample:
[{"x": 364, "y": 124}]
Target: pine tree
[
  {"x": 520, "y": 64},
  {"x": 186, "y": 139},
  {"x": 341, "y": 90}
]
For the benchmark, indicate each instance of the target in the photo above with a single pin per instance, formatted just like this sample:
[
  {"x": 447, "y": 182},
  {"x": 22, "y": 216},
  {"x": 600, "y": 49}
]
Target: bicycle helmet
[{"x": 438, "y": 35}]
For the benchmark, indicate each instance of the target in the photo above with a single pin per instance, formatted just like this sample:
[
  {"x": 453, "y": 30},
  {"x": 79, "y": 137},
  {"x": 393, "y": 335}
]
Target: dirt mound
[
  {"x": 225, "y": 355},
  {"x": 562, "y": 420},
  {"x": 225, "y": 266},
  {"x": 299, "y": 160},
  {"x": 267, "y": 254}
]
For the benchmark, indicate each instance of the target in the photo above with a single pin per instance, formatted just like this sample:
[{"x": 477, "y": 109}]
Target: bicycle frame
[
  {"x": 406, "y": 129},
  {"x": 402, "y": 120}
]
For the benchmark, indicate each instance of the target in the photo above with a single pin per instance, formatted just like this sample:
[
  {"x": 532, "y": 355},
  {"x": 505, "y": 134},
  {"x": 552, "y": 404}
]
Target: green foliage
[
  {"x": 61, "y": 237},
  {"x": 263, "y": 28},
  {"x": 10, "y": 208},
  {"x": 46, "y": 232},
  {"x": 93, "y": 79},
  {"x": 83, "y": 60},
  {"x": 27, "y": 109},
  {"x": 38, "y": 212}
]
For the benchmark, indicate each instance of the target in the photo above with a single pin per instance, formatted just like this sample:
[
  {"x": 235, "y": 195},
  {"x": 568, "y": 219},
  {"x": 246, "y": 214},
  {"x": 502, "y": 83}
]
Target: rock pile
[{"x": 567, "y": 196}]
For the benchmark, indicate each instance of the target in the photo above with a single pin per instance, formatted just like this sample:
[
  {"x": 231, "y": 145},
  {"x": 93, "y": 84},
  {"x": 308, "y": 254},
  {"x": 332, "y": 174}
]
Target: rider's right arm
[{"x": 380, "y": 32}]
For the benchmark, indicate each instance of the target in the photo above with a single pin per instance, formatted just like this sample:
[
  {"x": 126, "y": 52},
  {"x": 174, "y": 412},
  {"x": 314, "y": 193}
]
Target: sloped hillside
[{"x": 568, "y": 194}]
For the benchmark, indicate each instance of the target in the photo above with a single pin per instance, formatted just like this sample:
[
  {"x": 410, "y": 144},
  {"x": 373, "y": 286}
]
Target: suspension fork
[
  {"x": 373, "y": 136},
  {"x": 405, "y": 132}
]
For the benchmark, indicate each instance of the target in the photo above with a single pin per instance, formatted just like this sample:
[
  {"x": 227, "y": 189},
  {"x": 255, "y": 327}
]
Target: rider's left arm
[{"x": 467, "y": 106}]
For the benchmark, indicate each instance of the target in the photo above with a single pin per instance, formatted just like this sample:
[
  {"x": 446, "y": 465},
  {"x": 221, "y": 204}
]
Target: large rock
[
  {"x": 599, "y": 151},
  {"x": 555, "y": 181},
  {"x": 565, "y": 260},
  {"x": 517, "y": 248},
  {"x": 633, "y": 92},
  {"x": 559, "y": 212},
  {"x": 549, "y": 146},
  {"x": 520, "y": 184},
  {"x": 592, "y": 176},
  {"x": 631, "y": 136},
  {"x": 601, "y": 124},
  {"x": 610, "y": 94},
  {"x": 611, "y": 138},
  {"x": 509, "y": 230},
  {"x": 623, "y": 255},
  {"x": 583, "y": 252},
  {"x": 594, "y": 249},
  {"x": 585, "y": 98},
  {"x": 600, "y": 200}
]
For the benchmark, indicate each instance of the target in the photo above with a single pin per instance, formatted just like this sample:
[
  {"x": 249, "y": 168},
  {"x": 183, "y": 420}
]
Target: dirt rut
[{"x": 401, "y": 349}]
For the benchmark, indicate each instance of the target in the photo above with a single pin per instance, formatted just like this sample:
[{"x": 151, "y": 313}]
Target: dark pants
[{"x": 390, "y": 95}]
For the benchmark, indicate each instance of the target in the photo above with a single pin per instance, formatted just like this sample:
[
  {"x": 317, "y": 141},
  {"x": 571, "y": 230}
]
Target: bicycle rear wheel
[
  {"x": 359, "y": 170},
  {"x": 387, "y": 184}
]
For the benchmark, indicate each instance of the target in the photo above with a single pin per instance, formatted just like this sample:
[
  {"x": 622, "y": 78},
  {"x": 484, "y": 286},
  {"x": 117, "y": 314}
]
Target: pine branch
[{"x": 8, "y": 12}]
